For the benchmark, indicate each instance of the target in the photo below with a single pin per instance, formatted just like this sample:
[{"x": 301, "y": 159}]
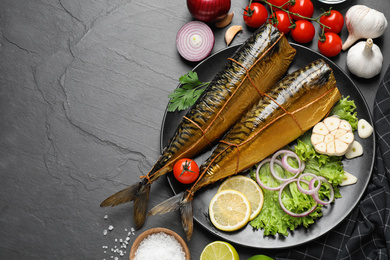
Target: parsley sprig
[{"x": 186, "y": 95}]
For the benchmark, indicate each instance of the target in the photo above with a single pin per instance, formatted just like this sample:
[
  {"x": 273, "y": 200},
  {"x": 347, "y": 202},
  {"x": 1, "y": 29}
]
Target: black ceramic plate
[{"x": 361, "y": 167}]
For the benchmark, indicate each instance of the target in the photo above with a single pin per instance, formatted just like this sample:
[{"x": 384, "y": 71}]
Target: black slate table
[{"x": 83, "y": 90}]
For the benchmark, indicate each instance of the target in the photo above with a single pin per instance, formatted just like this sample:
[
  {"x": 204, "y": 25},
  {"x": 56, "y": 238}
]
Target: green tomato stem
[{"x": 317, "y": 19}]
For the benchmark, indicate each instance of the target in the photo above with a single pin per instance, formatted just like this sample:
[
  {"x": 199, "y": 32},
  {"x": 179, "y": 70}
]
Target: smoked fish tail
[
  {"x": 254, "y": 68},
  {"x": 139, "y": 193},
  {"x": 183, "y": 202}
]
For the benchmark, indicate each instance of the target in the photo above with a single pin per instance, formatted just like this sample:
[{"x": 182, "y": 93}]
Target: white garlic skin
[
  {"x": 365, "y": 59},
  {"x": 363, "y": 22}
]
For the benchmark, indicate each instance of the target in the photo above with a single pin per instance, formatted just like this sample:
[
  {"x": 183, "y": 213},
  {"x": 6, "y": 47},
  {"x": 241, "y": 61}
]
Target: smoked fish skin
[
  {"x": 255, "y": 67},
  {"x": 268, "y": 127},
  {"x": 293, "y": 106}
]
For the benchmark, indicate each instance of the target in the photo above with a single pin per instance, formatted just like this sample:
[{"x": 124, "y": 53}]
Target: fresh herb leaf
[{"x": 186, "y": 95}]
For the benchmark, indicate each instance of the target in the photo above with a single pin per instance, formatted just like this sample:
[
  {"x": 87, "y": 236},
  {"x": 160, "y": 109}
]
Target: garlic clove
[
  {"x": 365, "y": 59},
  {"x": 364, "y": 129},
  {"x": 348, "y": 179},
  {"x": 355, "y": 150},
  {"x": 363, "y": 22},
  {"x": 225, "y": 21},
  {"x": 231, "y": 33},
  {"x": 321, "y": 129}
]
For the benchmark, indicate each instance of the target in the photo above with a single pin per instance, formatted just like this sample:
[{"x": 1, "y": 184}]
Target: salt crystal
[
  {"x": 110, "y": 227},
  {"x": 106, "y": 217},
  {"x": 159, "y": 246},
  {"x": 105, "y": 232}
]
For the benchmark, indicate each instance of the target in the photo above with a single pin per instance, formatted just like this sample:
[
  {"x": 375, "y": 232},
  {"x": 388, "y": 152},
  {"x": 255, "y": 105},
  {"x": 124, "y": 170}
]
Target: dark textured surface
[{"x": 83, "y": 89}]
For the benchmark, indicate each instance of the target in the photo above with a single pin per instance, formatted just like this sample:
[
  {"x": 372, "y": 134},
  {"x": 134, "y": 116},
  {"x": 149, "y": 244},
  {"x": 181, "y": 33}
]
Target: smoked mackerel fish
[{"x": 256, "y": 66}]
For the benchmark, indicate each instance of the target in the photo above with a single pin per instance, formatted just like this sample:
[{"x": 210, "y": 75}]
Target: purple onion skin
[{"x": 208, "y": 11}]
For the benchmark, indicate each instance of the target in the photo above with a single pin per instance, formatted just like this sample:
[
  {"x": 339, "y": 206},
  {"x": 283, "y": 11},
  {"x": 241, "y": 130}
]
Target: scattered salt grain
[
  {"x": 159, "y": 246},
  {"x": 105, "y": 232},
  {"x": 110, "y": 227},
  {"x": 106, "y": 217}
]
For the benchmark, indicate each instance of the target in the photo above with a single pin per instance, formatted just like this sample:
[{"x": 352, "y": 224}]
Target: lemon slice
[
  {"x": 249, "y": 188},
  {"x": 229, "y": 210},
  {"x": 219, "y": 250}
]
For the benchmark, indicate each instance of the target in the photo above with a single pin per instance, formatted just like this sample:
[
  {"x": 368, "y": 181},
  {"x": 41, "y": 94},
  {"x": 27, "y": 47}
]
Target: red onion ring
[
  {"x": 303, "y": 214},
  {"x": 287, "y": 166},
  {"x": 195, "y": 41},
  {"x": 272, "y": 162},
  {"x": 315, "y": 195},
  {"x": 258, "y": 177},
  {"x": 311, "y": 189}
]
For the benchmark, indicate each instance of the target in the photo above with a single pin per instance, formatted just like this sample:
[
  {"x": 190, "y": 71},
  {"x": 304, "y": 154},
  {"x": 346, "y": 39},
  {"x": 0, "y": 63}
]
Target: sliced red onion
[
  {"x": 258, "y": 177},
  {"x": 195, "y": 41},
  {"x": 312, "y": 189},
  {"x": 273, "y": 160},
  {"x": 315, "y": 195},
  {"x": 303, "y": 165},
  {"x": 303, "y": 214},
  {"x": 287, "y": 166}
]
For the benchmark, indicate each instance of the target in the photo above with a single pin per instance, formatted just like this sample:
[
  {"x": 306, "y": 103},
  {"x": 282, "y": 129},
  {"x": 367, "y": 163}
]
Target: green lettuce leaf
[{"x": 346, "y": 109}]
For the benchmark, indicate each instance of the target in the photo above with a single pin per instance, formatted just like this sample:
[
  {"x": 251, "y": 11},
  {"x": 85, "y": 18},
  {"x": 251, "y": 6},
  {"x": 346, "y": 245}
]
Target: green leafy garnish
[
  {"x": 186, "y": 95},
  {"x": 345, "y": 109}
]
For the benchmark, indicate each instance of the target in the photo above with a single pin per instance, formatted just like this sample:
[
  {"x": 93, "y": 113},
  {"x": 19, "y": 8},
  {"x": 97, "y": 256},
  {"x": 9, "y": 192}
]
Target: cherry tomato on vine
[
  {"x": 334, "y": 19},
  {"x": 279, "y": 3},
  {"x": 303, "y": 32},
  {"x": 280, "y": 20},
  {"x": 256, "y": 15},
  {"x": 186, "y": 170},
  {"x": 330, "y": 44},
  {"x": 302, "y": 7}
]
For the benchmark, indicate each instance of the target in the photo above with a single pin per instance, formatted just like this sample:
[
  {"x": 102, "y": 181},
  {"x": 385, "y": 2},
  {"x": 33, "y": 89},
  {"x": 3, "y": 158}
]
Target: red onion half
[{"x": 195, "y": 41}]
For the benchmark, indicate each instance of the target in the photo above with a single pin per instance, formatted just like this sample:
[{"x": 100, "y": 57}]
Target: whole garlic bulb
[
  {"x": 365, "y": 59},
  {"x": 363, "y": 22}
]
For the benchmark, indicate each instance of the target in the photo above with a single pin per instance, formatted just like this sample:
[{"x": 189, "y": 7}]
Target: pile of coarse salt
[
  {"x": 160, "y": 246},
  {"x": 117, "y": 250}
]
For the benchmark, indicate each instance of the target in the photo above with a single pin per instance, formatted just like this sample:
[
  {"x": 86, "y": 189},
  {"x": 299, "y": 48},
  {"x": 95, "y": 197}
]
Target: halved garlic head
[{"x": 332, "y": 136}]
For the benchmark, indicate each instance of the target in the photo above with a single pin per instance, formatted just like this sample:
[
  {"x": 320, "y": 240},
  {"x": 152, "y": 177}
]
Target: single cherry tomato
[
  {"x": 334, "y": 19},
  {"x": 186, "y": 170},
  {"x": 302, "y": 7},
  {"x": 256, "y": 15},
  {"x": 279, "y": 3},
  {"x": 303, "y": 32},
  {"x": 280, "y": 20},
  {"x": 330, "y": 44}
]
